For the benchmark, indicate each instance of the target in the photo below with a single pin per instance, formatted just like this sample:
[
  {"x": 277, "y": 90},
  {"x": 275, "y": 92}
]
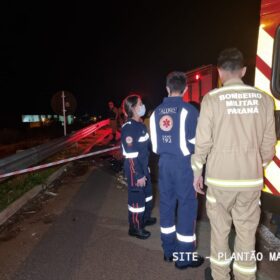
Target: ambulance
[
  {"x": 267, "y": 79},
  {"x": 200, "y": 81}
]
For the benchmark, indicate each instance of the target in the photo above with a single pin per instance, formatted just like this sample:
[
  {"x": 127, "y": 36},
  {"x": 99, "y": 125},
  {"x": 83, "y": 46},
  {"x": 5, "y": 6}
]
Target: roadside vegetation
[{"x": 14, "y": 188}]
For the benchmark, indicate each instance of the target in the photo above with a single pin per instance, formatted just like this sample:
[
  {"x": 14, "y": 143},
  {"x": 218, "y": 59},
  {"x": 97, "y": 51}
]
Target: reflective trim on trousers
[
  {"x": 167, "y": 230},
  {"x": 244, "y": 269},
  {"x": 136, "y": 210},
  {"x": 220, "y": 262},
  {"x": 149, "y": 198},
  {"x": 186, "y": 238},
  {"x": 235, "y": 183}
]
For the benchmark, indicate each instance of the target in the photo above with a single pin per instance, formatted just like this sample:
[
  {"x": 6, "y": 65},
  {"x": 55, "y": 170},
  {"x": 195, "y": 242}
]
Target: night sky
[{"x": 104, "y": 52}]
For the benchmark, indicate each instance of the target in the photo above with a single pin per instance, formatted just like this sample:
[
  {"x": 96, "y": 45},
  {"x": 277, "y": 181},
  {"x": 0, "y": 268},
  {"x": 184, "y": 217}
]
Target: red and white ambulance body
[{"x": 267, "y": 78}]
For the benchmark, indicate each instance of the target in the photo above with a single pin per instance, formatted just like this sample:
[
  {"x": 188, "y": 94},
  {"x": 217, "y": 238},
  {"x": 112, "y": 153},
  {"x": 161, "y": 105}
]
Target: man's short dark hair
[
  {"x": 230, "y": 59},
  {"x": 176, "y": 81}
]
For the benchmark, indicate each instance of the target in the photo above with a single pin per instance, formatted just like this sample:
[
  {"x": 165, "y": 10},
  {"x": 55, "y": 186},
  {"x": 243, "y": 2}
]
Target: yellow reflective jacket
[{"x": 236, "y": 135}]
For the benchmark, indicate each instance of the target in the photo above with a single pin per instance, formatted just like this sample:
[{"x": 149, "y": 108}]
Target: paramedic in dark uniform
[
  {"x": 172, "y": 128},
  {"x": 135, "y": 142}
]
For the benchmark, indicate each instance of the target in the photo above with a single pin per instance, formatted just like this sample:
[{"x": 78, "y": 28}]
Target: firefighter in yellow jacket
[{"x": 236, "y": 136}]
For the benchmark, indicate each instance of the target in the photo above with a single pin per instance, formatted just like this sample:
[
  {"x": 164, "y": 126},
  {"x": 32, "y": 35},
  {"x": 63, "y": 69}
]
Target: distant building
[{"x": 45, "y": 120}]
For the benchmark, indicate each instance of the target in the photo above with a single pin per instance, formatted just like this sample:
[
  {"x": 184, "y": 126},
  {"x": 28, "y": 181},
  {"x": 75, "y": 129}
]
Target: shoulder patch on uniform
[
  {"x": 166, "y": 123},
  {"x": 129, "y": 140}
]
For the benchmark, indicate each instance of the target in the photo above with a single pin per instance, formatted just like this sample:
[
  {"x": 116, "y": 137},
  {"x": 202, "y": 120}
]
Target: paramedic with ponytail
[{"x": 135, "y": 142}]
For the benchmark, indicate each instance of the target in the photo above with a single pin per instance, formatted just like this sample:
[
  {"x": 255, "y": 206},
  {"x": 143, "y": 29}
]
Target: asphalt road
[{"x": 89, "y": 241}]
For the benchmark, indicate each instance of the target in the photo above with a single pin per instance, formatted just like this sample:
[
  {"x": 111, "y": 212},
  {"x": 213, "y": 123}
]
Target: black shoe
[
  {"x": 139, "y": 233},
  {"x": 167, "y": 259},
  {"x": 151, "y": 221},
  {"x": 198, "y": 262}
]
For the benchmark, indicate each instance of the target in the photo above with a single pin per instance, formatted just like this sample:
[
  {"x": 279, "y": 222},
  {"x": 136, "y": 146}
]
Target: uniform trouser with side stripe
[
  {"x": 140, "y": 201},
  {"x": 178, "y": 207},
  {"x": 242, "y": 209}
]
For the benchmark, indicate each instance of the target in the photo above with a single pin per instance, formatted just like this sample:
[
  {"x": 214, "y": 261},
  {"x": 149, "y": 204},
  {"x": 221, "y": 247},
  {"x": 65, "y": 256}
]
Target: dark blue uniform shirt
[
  {"x": 135, "y": 142},
  {"x": 173, "y": 125}
]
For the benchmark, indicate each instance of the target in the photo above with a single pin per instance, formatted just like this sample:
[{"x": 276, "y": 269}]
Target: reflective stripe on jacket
[{"x": 236, "y": 134}]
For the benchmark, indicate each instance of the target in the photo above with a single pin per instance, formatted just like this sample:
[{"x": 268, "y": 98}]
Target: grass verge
[{"x": 14, "y": 188}]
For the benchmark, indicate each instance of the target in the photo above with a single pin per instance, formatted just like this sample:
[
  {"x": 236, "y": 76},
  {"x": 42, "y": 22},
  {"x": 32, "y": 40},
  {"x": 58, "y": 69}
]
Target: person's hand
[
  {"x": 141, "y": 182},
  {"x": 198, "y": 184}
]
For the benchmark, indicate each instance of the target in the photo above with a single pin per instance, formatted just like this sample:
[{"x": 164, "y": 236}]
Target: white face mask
[{"x": 141, "y": 112}]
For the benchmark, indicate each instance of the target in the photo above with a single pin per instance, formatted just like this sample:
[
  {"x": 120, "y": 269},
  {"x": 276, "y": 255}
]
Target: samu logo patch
[
  {"x": 166, "y": 123},
  {"x": 129, "y": 140}
]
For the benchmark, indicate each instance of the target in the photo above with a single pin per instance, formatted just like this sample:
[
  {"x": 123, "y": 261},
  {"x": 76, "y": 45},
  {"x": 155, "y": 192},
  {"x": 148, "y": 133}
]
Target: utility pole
[{"x": 64, "y": 111}]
